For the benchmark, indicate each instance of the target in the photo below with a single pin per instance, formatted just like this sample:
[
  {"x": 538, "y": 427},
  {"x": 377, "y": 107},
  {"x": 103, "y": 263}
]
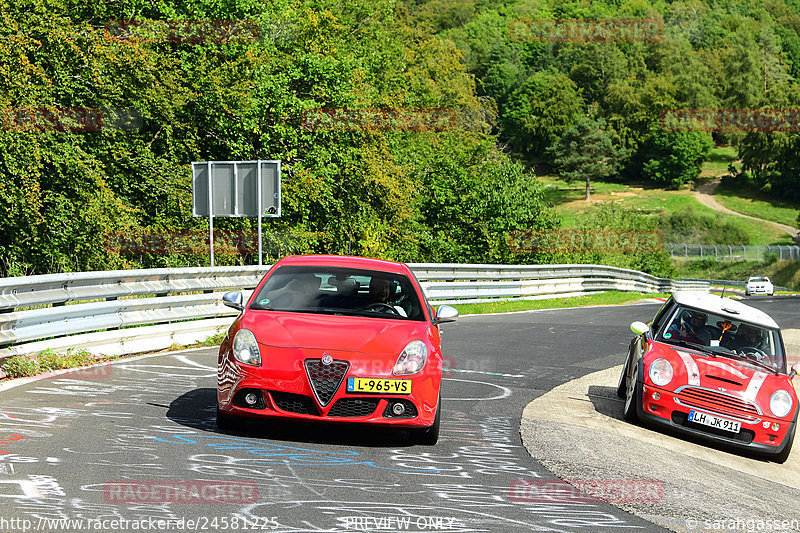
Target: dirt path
[{"x": 704, "y": 195}]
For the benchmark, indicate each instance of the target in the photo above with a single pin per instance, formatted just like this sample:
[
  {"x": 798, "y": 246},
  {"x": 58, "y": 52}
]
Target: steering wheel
[
  {"x": 754, "y": 353},
  {"x": 382, "y": 307}
]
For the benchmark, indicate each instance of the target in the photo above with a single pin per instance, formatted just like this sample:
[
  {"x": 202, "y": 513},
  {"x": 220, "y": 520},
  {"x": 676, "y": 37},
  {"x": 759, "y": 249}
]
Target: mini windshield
[
  {"x": 339, "y": 291},
  {"x": 725, "y": 336}
]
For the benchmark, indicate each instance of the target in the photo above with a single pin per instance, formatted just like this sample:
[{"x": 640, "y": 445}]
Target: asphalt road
[{"x": 122, "y": 447}]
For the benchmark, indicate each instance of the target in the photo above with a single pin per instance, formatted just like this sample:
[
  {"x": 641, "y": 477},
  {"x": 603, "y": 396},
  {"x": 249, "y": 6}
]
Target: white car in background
[{"x": 759, "y": 285}]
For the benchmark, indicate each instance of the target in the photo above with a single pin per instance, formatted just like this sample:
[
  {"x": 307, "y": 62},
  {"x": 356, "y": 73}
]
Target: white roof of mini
[{"x": 726, "y": 307}]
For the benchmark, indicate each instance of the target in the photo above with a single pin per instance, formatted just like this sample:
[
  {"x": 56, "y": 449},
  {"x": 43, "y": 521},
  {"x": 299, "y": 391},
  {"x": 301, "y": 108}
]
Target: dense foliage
[
  {"x": 411, "y": 193},
  {"x": 415, "y": 193},
  {"x": 708, "y": 54}
]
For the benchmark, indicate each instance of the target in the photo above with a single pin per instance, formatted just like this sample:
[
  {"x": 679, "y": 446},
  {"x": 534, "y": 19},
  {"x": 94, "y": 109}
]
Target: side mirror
[
  {"x": 233, "y": 299},
  {"x": 793, "y": 373},
  {"x": 445, "y": 313},
  {"x": 640, "y": 328}
]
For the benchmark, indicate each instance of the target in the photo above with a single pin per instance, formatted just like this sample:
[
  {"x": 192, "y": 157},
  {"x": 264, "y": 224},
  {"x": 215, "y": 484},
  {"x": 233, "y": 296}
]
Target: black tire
[
  {"x": 633, "y": 396},
  {"x": 430, "y": 436},
  {"x": 227, "y": 421},
  {"x": 621, "y": 384},
  {"x": 784, "y": 455}
]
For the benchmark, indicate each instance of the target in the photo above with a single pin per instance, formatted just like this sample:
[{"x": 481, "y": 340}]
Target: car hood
[
  {"x": 331, "y": 332},
  {"x": 722, "y": 373}
]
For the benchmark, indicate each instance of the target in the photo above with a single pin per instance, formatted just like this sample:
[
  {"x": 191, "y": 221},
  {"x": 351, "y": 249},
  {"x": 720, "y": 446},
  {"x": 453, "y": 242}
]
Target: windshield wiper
[
  {"x": 755, "y": 362},
  {"x": 692, "y": 345}
]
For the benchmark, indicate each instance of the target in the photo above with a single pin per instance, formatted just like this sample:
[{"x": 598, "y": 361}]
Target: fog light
[
  {"x": 656, "y": 396},
  {"x": 775, "y": 426},
  {"x": 251, "y": 398},
  {"x": 398, "y": 409}
]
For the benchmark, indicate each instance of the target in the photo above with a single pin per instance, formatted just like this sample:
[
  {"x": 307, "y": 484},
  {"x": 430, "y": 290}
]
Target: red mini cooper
[
  {"x": 714, "y": 368},
  {"x": 334, "y": 338}
]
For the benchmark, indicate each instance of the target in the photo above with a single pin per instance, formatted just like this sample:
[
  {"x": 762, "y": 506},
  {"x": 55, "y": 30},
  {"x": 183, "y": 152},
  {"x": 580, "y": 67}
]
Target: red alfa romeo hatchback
[{"x": 334, "y": 338}]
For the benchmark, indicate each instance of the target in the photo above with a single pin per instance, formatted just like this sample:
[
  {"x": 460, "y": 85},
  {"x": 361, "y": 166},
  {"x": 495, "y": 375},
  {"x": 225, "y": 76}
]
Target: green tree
[
  {"x": 540, "y": 111},
  {"x": 671, "y": 158},
  {"x": 585, "y": 152}
]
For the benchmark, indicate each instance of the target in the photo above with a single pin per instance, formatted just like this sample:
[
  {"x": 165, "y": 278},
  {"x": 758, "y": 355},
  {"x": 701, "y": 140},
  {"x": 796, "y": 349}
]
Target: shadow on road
[
  {"x": 606, "y": 402},
  {"x": 197, "y": 409}
]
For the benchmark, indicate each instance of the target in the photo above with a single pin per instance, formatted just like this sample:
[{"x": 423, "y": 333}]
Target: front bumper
[
  {"x": 283, "y": 387},
  {"x": 669, "y": 412}
]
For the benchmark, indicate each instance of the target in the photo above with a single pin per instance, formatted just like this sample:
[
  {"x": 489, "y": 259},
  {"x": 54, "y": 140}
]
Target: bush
[
  {"x": 671, "y": 158},
  {"x": 689, "y": 226}
]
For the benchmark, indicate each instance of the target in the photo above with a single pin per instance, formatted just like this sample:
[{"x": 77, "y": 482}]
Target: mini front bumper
[{"x": 668, "y": 412}]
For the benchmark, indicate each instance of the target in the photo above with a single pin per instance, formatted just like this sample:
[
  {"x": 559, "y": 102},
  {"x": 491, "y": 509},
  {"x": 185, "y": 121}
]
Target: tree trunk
[{"x": 588, "y": 194}]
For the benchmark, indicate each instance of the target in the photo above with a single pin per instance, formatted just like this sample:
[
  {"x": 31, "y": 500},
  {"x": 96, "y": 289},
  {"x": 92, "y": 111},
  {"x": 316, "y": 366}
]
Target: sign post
[{"x": 236, "y": 189}]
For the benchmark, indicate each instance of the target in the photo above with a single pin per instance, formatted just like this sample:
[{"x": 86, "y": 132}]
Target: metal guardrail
[
  {"x": 731, "y": 253},
  {"x": 131, "y": 311}
]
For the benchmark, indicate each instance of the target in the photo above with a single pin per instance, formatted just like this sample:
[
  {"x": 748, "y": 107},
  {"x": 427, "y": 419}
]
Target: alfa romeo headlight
[
  {"x": 412, "y": 359},
  {"x": 660, "y": 372},
  {"x": 245, "y": 348},
  {"x": 780, "y": 403}
]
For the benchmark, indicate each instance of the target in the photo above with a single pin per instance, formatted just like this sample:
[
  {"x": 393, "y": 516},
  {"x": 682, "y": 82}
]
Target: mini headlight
[
  {"x": 780, "y": 403},
  {"x": 411, "y": 359},
  {"x": 660, "y": 372},
  {"x": 245, "y": 348}
]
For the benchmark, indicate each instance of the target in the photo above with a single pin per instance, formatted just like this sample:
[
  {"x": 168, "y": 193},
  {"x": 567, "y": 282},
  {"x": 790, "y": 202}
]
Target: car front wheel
[
  {"x": 633, "y": 394},
  {"x": 784, "y": 454}
]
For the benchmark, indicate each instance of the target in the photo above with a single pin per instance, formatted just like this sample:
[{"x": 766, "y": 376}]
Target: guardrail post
[
  {"x": 716, "y": 254},
  {"x": 758, "y": 253},
  {"x": 780, "y": 249},
  {"x": 686, "y": 251},
  {"x": 730, "y": 249},
  {"x": 701, "y": 252}
]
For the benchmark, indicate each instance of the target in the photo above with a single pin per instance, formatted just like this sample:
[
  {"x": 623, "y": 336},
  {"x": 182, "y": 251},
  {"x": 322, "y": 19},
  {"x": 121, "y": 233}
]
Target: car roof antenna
[{"x": 723, "y": 292}]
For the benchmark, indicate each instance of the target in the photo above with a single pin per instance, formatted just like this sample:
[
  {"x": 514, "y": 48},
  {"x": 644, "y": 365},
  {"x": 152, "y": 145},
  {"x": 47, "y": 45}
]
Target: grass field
[
  {"x": 758, "y": 205},
  {"x": 605, "y": 298},
  {"x": 568, "y": 201}
]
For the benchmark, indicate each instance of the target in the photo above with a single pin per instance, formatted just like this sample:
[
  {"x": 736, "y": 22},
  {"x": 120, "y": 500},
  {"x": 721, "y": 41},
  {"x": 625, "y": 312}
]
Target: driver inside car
[
  {"x": 748, "y": 337},
  {"x": 691, "y": 327},
  {"x": 380, "y": 292}
]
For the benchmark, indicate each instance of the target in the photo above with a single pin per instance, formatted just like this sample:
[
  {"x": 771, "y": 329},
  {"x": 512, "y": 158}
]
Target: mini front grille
[
  {"x": 325, "y": 379},
  {"x": 354, "y": 407},
  {"x": 718, "y": 402},
  {"x": 294, "y": 403},
  {"x": 745, "y": 435}
]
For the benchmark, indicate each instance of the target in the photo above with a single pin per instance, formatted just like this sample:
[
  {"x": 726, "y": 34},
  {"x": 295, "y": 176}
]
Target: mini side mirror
[
  {"x": 233, "y": 299},
  {"x": 793, "y": 373},
  {"x": 445, "y": 313},
  {"x": 640, "y": 328}
]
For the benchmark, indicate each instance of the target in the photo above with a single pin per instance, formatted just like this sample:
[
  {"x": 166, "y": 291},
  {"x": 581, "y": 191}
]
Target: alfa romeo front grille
[
  {"x": 294, "y": 403},
  {"x": 354, "y": 407},
  {"x": 325, "y": 379}
]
